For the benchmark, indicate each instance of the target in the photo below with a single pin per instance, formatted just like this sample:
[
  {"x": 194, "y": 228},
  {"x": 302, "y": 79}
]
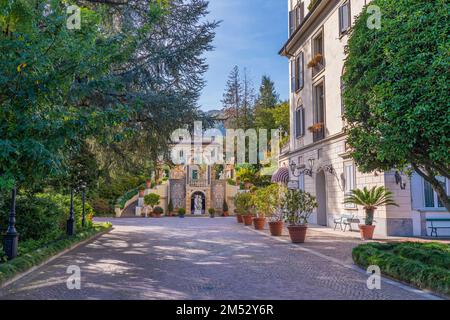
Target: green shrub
[
  {"x": 158, "y": 210},
  {"x": 101, "y": 207},
  {"x": 182, "y": 211},
  {"x": 152, "y": 199},
  {"x": 170, "y": 206},
  {"x": 42, "y": 217},
  {"x": 414, "y": 263}
]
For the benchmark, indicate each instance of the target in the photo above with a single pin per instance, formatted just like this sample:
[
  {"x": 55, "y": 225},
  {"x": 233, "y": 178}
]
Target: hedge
[
  {"x": 33, "y": 258},
  {"x": 424, "y": 265}
]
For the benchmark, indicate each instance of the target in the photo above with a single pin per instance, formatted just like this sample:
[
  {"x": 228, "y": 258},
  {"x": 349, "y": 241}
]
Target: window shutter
[
  {"x": 291, "y": 22},
  {"x": 301, "y": 71},
  {"x": 293, "y": 71},
  {"x": 302, "y": 122},
  {"x": 297, "y": 74}
]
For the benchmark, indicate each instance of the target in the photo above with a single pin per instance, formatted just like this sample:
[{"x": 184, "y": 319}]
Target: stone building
[{"x": 317, "y": 150}]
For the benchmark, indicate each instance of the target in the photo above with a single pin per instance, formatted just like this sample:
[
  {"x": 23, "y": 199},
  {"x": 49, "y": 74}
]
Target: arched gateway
[{"x": 198, "y": 203}]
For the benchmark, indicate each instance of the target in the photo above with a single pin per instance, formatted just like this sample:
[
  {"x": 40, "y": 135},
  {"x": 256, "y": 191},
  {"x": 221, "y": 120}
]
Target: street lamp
[
  {"x": 71, "y": 220},
  {"x": 83, "y": 219},
  {"x": 297, "y": 171},
  {"x": 11, "y": 237}
]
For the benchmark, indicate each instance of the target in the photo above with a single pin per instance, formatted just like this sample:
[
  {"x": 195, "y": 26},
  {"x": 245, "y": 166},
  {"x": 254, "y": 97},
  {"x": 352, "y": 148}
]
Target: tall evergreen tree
[
  {"x": 232, "y": 99},
  {"x": 267, "y": 100}
]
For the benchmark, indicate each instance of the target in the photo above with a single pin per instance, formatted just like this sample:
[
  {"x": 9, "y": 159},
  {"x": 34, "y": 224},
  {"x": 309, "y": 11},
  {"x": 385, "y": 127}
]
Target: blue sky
[{"x": 250, "y": 36}]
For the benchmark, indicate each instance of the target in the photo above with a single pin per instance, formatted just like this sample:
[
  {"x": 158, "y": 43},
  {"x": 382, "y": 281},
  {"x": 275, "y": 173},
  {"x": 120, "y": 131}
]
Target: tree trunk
[{"x": 437, "y": 186}]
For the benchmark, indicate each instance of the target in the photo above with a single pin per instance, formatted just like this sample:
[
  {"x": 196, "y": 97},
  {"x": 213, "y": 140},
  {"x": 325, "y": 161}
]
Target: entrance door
[{"x": 321, "y": 195}]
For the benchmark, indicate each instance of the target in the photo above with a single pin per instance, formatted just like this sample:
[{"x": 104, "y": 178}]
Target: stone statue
[{"x": 198, "y": 204}]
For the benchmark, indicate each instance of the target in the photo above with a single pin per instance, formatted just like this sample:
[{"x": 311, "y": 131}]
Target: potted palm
[
  {"x": 225, "y": 208},
  {"x": 212, "y": 212},
  {"x": 181, "y": 212},
  {"x": 152, "y": 199},
  {"x": 370, "y": 200},
  {"x": 299, "y": 206},
  {"x": 266, "y": 202}
]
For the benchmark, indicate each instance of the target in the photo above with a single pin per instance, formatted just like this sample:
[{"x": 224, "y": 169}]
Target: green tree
[
  {"x": 267, "y": 100},
  {"x": 396, "y": 90}
]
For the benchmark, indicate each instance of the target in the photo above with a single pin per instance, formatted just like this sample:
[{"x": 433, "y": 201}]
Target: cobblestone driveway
[{"x": 199, "y": 258}]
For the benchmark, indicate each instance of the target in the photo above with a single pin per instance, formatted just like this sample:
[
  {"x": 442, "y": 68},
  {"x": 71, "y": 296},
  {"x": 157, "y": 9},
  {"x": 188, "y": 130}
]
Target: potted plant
[
  {"x": 236, "y": 210},
  {"x": 225, "y": 208},
  {"x": 370, "y": 200},
  {"x": 141, "y": 193},
  {"x": 299, "y": 206},
  {"x": 267, "y": 201},
  {"x": 148, "y": 183},
  {"x": 247, "y": 184},
  {"x": 181, "y": 212},
  {"x": 316, "y": 127},
  {"x": 244, "y": 204},
  {"x": 315, "y": 61},
  {"x": 264, "y": 205},
  {"x": 152, "y": 199},
  {"x": 212, "y": 212},
  {"x": 170, "y": 208},
  {"x": 158, "y": 211}
]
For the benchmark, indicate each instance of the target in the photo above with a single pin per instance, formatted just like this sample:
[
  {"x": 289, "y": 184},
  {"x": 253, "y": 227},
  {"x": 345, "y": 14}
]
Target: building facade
[{"x": 318, "y": 33}]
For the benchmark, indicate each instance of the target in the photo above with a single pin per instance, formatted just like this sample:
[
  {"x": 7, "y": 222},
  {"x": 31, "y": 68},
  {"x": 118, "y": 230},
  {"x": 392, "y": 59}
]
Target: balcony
[{"x": 199, "y": 183}]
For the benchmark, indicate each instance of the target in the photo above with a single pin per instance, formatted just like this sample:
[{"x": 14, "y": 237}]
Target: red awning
[{"x": 281, "y": 175}]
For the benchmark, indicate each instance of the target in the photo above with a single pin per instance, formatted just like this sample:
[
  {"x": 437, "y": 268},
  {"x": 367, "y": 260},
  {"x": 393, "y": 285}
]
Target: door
[{"x": 321, "y": 195}]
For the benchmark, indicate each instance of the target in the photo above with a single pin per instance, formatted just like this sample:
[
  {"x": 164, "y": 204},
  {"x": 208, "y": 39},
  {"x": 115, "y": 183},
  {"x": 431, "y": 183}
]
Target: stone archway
[
  {"x": 321, "y": 195},
  {"x": 202, "y": 198}
]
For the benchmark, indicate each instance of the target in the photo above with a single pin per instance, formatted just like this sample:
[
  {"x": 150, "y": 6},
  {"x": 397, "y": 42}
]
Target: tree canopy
[{"x": 396, "y": 85}]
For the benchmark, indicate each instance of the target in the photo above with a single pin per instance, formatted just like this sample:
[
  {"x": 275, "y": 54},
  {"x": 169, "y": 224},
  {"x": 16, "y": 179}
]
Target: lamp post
[
  {"x": 83, "y": 219},
  {"x": 297, "y": 171},
  {"x": 71, "y": 220},
  {"x": 12, "y": 237}
]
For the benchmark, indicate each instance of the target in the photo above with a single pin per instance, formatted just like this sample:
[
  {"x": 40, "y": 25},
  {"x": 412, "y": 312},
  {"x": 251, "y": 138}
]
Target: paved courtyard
[{"x": 202, "y": 258}]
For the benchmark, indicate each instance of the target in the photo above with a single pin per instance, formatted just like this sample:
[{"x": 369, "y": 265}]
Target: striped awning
[{"x": 281, "y": 175}]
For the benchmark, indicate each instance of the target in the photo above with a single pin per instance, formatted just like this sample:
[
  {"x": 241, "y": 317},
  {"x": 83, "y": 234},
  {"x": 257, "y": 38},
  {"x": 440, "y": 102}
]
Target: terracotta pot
[
  {"x": 157, "y": 215},
  {"x": 239, "y": 218},
  {"x": 366, "y": 232},
  {"x": 297, "y": 233},
  {"x": 276, "y": 228},
  {"x": 225, "y": 214},
  {"x": 141, "y": 193},
  {"x": 248, "y": 220},
  {"x": 259, "y": 223},
  {"x": 148, "y": 183}
]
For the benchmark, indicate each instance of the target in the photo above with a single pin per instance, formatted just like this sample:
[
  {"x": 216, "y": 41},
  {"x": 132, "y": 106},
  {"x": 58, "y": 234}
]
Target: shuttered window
[
  {"x": 300, "y": 122},
  {"x": 344, "y": 17}
]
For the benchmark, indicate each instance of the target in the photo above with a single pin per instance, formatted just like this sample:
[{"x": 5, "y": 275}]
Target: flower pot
[
  {"x": 212, "y": 215},
  {"x": 141, "y": 193},
  {"x": 148, "y": 183},
  {"x": 239, "y": 218},
  {"x": 157, "y": 215},
  {"x": 297, "y": 233},
  {"x": 248, "y": 220},
  {"x": 366, "y": 231},
  {"x": 225, "y": 214},
  {"x": 259, "y": 223},
  {"x": 181, "y": 216},
  {"x": 276, "y": 228}
]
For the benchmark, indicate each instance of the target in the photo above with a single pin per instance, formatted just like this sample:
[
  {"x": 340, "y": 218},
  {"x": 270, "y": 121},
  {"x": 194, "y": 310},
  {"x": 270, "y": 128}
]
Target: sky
[{"x": 250, "y": 36}]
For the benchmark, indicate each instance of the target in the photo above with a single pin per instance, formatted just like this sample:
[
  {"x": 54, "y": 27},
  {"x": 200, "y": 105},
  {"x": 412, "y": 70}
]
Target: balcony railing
[{"x": 199, "y": 183}]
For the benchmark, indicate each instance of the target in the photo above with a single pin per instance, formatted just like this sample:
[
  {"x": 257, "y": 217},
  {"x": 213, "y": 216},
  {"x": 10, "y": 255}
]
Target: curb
[
  {"x": 425, "y": 294},
  {"x": 34, "y": 268}
]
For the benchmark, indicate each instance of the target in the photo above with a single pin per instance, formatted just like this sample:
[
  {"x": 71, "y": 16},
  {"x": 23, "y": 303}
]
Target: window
[
  {"x": 344, "y": 18},
  {"x": 350, "y": 181},
  {"x": 296, "y": 16},
  {"x": 318, "y": 127},
  {"x": 300, "y": 122},
  {"x": 194, "y": 174},
  {"x": 299, "y": 14},
  {"x": 293, "y": 75},
  {"x": 301, "y": 182},
  {"x": 431, "y": 199},
  {"x": 318, "y": 54},
  {"x": 300, "y": 71}
]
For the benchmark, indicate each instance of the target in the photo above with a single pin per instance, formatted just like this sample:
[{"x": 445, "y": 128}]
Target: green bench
[{"x": 435, "y": 225}]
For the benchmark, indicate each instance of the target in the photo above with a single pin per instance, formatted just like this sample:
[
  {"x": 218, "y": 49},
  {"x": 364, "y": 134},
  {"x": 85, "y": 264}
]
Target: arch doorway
[
  {"x": 198, "y": 203},
  {"x": 321, "y": 195}
]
